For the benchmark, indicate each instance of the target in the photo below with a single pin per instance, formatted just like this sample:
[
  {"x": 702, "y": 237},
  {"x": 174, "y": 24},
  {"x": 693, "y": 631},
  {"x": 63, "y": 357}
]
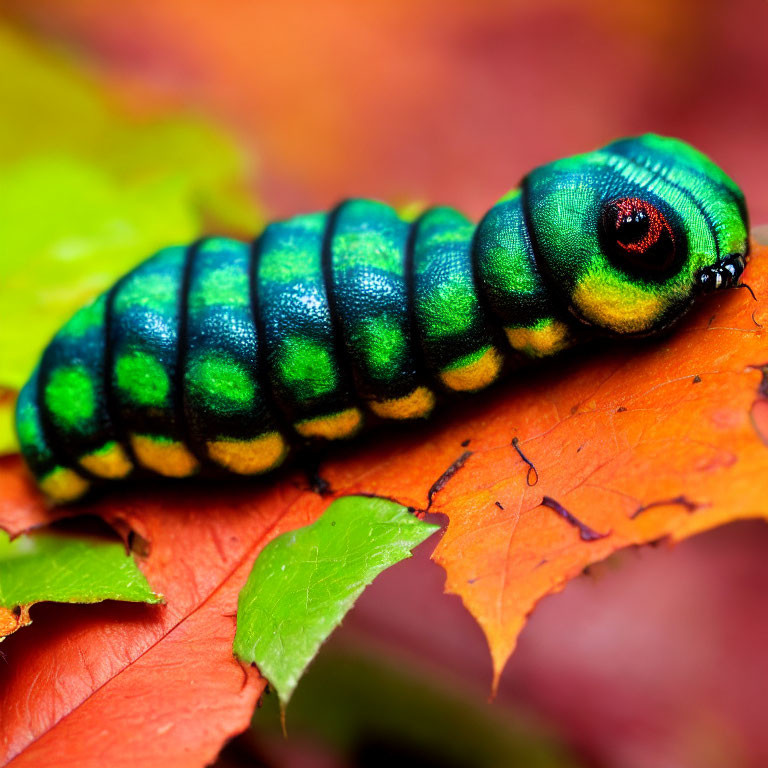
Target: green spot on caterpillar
[{"x": 142, "y": 378}]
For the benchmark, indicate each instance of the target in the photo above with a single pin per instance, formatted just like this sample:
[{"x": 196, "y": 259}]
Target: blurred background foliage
[
  {"x": 384, "y": 710},
  {"x": 88, "y": 188},
  {"x": 128, "y": 127},
  {"x": 444, "y": 100}
]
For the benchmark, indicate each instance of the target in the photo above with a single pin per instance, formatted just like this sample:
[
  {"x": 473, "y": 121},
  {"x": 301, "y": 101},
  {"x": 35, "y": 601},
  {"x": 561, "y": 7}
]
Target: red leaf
[{"x": 104, "y": 684}]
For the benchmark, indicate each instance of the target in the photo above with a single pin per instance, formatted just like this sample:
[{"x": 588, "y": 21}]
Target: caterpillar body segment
[
  {"x": 370, "y": 294},
  {"x": 223, "y": 354},
  {"x": 229, "y": 416}
]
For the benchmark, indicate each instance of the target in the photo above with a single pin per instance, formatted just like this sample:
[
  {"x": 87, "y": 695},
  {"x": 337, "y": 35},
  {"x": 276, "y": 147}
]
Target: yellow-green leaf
[{"x": 87, "y": 190}]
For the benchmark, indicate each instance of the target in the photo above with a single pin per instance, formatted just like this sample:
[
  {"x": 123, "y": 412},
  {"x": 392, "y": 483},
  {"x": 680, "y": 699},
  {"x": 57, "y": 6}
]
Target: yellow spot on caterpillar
[
  {"x": 166, "y": 457},
  {"x": 410, "y": 210},
  {"x": 108, "y": 461},
  {"x": 333, "y": 427},
  {"x": 511, "y": 195},
  {"x": 616, "y": 304},
  {"x": 417, "y": 404},
  {"x": 542, "y": 340},
  {"x": 62, "y": 485},
  {"x": 474, "y": 375},
  {"x": 249, "y": 457}
]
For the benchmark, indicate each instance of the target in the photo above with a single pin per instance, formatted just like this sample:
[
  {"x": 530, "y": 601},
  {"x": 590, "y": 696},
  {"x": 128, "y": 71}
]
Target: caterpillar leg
[
  {"x": 543, "y": 338},
  {"x": 334, "y": 426},
  {"x": 416, "y": 405},
  {"x": 473, "y": 371},
  {"x": 249, "y": 457}
]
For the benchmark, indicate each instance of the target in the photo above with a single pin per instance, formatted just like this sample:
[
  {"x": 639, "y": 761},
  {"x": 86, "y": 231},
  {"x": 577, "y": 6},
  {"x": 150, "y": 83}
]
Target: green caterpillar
[{"x": 224, "y": 354}]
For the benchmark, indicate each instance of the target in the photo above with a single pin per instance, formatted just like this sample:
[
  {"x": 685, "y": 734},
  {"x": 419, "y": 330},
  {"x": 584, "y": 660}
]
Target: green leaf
[
  {"x": 304, "y": 582},
  {"x": 7, "y": 432},
  {"x": 65, "y": 568},
  {"x": 87, "y": 190}
]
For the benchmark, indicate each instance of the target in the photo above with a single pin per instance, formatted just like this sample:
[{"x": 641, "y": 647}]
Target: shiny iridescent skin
[{"x": 226, "y": 354}]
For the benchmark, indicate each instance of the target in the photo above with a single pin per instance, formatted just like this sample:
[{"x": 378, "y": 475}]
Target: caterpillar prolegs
[{"x": 225, "y": 354}]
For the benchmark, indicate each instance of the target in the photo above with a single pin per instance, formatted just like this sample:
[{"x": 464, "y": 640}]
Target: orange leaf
[
  {"x": 635, "y": 441},
  {"x": 663, "y": 439}
]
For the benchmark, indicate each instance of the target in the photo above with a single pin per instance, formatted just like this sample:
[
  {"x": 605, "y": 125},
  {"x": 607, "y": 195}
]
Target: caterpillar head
[{"x": 632, "y": 233}]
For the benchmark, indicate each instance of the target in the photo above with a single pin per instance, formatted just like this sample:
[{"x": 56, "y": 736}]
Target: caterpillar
[{"x": 225, "y": 354}]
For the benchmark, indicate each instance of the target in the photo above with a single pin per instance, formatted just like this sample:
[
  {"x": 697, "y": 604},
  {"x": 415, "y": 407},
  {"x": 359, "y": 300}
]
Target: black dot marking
[
  {"x": 585, "y": 532},
  {"x": 320, "y": 485},
  {"x": 682, "y": 501},
  {"x": 531, "y": 467},
  {"x": 749, "y": 288},
  {"x": 441, "y": 481}
]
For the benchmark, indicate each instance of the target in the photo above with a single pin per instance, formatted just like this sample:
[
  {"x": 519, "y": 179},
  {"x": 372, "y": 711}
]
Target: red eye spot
[{"x": 636, "y": 232}]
